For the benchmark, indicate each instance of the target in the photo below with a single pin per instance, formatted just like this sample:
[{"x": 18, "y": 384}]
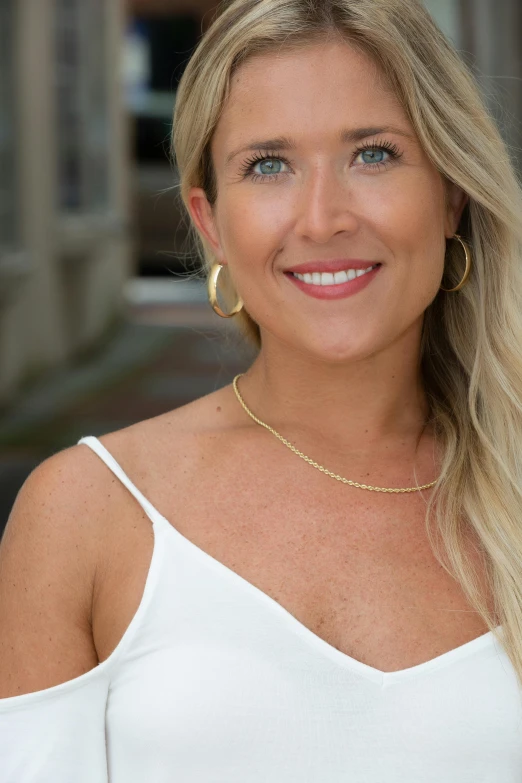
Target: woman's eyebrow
[{"x": 346, "y": 136}]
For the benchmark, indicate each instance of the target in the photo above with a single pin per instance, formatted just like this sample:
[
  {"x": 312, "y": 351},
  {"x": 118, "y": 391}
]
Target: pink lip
[
  {"x": 332, "y": 265},
  {"x": 339, "y": 291}
]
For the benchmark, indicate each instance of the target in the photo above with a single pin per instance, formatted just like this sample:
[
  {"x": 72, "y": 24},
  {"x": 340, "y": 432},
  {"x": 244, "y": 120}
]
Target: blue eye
[
  {"x": 373, "y": 156},
  {"x": 376, "y": 156},
  {"x": 266, "y": 165},
  {"x": 270, "y": 166}
]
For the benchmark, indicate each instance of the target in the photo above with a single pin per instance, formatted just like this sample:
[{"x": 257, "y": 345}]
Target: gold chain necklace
[{"x": 315, "y": 464}]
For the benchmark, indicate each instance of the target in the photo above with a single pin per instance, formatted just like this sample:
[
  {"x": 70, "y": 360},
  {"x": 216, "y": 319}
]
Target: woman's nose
[{"x": 324, "y": 206}]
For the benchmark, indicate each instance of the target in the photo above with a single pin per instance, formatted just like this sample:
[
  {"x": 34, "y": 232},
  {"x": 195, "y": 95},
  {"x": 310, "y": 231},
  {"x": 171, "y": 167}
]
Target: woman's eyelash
[
  {"x": 388, "y": 146},
  {"x": 261, "y": 156}
]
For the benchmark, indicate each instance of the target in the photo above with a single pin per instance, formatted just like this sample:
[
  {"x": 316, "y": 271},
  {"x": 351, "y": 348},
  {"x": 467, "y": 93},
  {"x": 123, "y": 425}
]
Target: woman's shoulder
[
  {"x": 164, "y": 458},
  {"x": 48, "y": 559},
  {"x": 75, "y": 529},
  {"x": 56, "y": 503}
]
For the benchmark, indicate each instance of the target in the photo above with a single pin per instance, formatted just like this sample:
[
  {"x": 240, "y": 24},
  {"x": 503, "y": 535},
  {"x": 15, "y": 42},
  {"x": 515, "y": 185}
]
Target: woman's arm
[
  {"x": 52, "y": 696},
  {"x": 47, "y": 566}
]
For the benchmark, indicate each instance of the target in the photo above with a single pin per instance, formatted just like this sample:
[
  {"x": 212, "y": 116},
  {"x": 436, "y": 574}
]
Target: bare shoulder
[
  {"x": 164, "y": 457},
  {"x": 48, "y": 559},
  {"x": 77, "y": 546}
]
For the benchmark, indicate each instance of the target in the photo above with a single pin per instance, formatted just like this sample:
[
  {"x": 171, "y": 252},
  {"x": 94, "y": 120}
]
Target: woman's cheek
[{"x": 257, "y": 228}]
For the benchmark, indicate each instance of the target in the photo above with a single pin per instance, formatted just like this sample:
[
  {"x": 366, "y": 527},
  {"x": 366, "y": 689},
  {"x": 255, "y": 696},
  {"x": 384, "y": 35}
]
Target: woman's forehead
[
  {"x": 332, "y": 62},
  {"x": 316, "y": 90}
]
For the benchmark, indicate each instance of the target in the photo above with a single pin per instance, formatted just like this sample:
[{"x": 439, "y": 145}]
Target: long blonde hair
[{"x": 471, "y": 352}]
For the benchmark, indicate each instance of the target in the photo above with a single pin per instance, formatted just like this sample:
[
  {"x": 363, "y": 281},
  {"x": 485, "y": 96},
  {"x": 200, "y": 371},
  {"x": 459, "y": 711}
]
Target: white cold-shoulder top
[{"x": 215, "y": 682}]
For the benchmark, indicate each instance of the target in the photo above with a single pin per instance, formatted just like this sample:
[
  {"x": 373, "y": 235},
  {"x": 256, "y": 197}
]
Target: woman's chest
[
  {"x": 239, "y": 704},
  {"x": 361, "y": 576},
  {"x": 215, "y": 663}
]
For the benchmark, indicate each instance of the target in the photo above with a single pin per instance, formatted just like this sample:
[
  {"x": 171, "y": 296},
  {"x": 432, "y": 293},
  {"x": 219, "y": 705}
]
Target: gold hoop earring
[
  {"x": 212, "y": 293},
  {"x": 467, "y": 252}
]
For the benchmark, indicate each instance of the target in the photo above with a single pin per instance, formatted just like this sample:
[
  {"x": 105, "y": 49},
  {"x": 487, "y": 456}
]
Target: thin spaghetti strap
[{"x": 106, "y": 456}]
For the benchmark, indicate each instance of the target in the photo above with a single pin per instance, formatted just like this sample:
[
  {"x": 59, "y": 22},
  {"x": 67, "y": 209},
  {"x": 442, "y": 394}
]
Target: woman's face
[{"x": 316, "y": 162}]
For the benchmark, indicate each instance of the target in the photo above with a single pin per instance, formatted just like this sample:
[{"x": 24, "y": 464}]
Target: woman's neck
[{"x": 359, "y": 405}]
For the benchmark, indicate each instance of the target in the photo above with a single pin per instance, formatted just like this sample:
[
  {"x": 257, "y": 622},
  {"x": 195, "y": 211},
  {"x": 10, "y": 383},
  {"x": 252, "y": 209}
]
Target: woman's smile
[{"x": 334, "y": 285}]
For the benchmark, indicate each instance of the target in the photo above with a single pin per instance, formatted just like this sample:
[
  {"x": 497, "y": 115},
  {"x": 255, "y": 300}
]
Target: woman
[{"x": 331, "y": 585}]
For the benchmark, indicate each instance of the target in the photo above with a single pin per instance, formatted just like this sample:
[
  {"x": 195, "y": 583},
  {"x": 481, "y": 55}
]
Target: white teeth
[{"x": 327, "y": 278}]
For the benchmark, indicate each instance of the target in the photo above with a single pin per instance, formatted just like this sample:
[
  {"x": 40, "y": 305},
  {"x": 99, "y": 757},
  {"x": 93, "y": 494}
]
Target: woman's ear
[
  {"x": 203, "y": 217},
  {"x": 456, "y": 200}
]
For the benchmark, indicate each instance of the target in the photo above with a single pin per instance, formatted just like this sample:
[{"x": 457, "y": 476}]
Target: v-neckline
[{"x": 345, "y": 660}]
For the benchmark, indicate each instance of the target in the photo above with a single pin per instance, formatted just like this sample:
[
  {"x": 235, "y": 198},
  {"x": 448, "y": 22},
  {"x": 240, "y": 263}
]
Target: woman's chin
[{"x": 337, "y": 349}]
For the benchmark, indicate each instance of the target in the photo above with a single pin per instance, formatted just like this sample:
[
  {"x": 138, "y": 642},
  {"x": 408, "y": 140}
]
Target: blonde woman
[{"x": 314, "y": 573}]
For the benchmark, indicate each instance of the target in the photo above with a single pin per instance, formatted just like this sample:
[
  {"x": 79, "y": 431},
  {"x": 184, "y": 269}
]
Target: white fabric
[{"x": 214, "y": 682}]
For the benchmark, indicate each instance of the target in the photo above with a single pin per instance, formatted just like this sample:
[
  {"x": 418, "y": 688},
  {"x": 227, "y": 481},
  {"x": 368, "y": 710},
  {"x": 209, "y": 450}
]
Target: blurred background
[{"x": 103, "y": 318}]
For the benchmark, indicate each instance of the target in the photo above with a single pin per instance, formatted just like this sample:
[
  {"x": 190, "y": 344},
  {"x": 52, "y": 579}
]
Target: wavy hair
[{"x": 471, "y": 347}]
